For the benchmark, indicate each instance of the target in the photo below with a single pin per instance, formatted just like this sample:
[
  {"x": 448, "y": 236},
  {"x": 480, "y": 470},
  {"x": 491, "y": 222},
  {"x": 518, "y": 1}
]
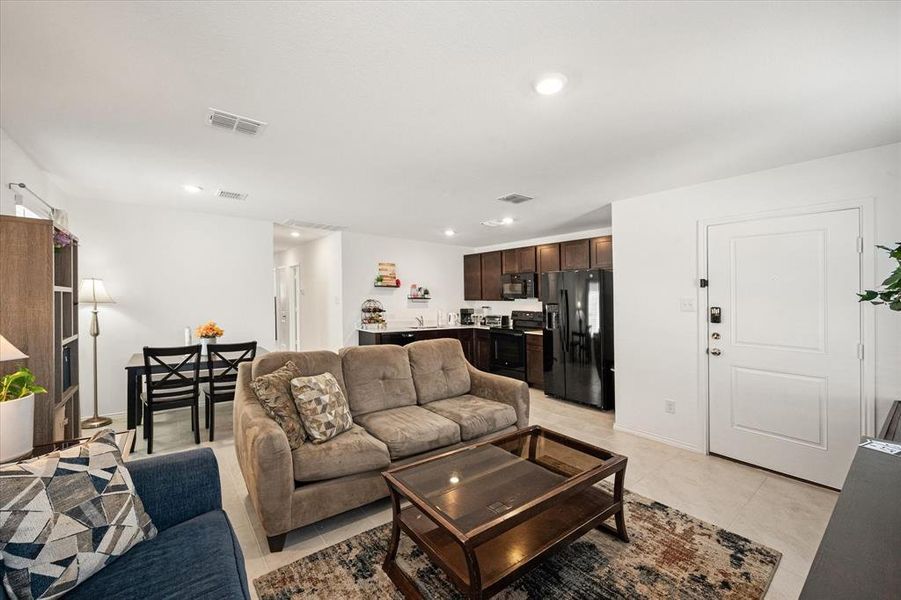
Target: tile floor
[{"x": 785, "y": 514}]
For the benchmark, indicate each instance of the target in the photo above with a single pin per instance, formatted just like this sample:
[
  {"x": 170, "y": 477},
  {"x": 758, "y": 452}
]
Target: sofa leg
[{"x": 276, "y": 542}]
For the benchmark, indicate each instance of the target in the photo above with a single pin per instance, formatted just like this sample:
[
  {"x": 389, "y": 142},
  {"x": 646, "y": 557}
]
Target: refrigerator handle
[{"x": 564, "y": 319}]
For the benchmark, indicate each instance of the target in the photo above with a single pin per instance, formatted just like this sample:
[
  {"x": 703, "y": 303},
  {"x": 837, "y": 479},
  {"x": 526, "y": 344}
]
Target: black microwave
[{"x": 519, "y": 285}]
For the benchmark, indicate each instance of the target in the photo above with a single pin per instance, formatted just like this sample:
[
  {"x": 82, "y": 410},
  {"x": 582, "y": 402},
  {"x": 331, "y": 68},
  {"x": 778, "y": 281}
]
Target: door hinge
[
  {"x": 859, "y": 351},
  {"x": 703, "y": 283},
  {"x": 860, "y": 245}
]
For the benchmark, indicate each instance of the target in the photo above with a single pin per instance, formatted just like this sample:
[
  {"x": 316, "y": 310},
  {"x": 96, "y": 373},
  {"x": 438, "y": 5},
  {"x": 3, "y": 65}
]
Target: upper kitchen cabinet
[
  {"x": 519, "y": 260},
  {"x": 575, "y": 255},
  {"x": 472, "y": 277},
  {"x": 510, "y": 260},
  {"x": 548, "y": 257},
  {"x": 491, "y": 276},
  {"x": 601, "y": 252}
]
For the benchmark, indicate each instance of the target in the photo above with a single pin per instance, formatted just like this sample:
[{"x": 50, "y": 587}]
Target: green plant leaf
[{"x": 868, "y": 295}]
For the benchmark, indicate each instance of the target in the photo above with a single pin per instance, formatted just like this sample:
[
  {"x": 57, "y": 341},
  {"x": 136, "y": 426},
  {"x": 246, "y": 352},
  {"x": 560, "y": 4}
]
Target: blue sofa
[{"x": 194, "y": 555}]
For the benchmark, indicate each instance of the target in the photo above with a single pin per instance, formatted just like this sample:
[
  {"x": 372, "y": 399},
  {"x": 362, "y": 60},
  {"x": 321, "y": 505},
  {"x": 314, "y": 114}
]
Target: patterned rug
[{"x": 670, "y": 555}]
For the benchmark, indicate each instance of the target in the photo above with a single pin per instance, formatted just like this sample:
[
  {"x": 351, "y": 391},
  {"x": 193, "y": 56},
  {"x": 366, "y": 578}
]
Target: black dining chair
[
  {"x": 173, "y": 381},
  {"x": 222, "y": 362}
]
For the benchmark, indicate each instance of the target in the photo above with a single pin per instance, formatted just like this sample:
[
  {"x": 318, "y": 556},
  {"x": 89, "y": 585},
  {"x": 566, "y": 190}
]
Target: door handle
[{"x": 716, "y": 351}]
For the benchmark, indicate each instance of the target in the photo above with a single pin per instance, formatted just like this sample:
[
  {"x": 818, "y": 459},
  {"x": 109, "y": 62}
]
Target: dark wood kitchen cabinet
[
  {"x": 472, "y": 277},
  {"x": 548, "y": 258},
  {"x": 535, "y": 360},
  {"x": 574, "y": 255},
  {"x": 519, "y": 260},
  {"x": 601, "y": 252},
  {"x": 491, "y": 276},
  {"x": 482, "y": 349}
]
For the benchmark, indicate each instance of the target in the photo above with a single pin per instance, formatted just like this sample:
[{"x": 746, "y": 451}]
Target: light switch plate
[
  {"x": 688, "y": 304},
  {"x": 669, "y": 406}
]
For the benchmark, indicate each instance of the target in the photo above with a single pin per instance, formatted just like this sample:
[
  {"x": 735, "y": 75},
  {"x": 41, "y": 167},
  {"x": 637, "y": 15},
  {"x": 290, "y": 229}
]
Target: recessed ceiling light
[
  {"x": 192, "y": 189},
  {"x": 507, "y": 220},
  {"x": 449, "y": 232},
  {"x": 295, "y": 234},
  {"x": 550, "y": 84}
]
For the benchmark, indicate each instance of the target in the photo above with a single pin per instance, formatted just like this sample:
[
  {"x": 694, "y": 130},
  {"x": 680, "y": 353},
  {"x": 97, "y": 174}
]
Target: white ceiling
[
  {"x": 283, "y": 238},
  {"x": 406, "y": 118}
]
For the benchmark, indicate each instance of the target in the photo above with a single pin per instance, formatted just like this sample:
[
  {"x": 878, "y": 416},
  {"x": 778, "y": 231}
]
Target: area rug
[{"x": 670, "y": 555}]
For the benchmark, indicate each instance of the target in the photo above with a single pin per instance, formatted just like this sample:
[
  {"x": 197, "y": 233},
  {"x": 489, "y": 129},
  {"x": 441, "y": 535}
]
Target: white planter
[
  {"x": 204, "y": 342},
  {"x": 16, "y": 428}
]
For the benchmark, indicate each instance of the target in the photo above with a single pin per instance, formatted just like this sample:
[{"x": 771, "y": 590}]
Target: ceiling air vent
[
  {"x": 308, "y": 225},
  {"x": 233, "y": 122},
  {"x": 230, "y": 195},
  {"x": 515, "y": 198}
]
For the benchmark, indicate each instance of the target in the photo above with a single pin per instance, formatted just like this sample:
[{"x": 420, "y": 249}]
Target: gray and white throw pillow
[
  {"x": 66, "y": 515},
  {"x": 273, "y": 390},
  {"x": 322, "y": 406}
]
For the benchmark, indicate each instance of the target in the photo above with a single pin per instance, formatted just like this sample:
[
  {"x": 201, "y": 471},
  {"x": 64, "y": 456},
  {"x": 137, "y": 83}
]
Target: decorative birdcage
[{"x": 372, "y": 313}]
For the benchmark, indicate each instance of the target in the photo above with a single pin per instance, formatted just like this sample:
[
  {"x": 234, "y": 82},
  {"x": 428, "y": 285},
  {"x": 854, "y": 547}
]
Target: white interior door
[{"x": 784, "y": 362}]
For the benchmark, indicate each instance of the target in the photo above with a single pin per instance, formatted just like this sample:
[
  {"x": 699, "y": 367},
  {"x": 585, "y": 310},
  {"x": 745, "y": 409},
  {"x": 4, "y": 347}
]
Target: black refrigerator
[{"x": 578, "y": 336}]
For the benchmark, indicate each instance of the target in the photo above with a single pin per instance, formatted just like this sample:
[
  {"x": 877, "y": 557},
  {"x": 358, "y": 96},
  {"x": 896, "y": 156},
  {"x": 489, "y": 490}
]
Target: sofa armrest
[
  {"x": 177, "y": 487},
  {"x": 264, "y": 457},
  {"x": 502, "y": 389}
]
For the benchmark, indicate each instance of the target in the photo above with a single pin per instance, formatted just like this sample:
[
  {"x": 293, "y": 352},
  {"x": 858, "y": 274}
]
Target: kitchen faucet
[{"x": 420, "y": 321}]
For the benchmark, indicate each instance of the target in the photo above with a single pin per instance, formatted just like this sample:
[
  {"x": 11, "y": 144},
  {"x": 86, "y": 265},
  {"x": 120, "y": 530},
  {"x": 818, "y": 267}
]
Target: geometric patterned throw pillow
[
  {"x": 66, "y": 515},
  {"x": 273, "y": 390},
  {"x": 322, "y": 406}
]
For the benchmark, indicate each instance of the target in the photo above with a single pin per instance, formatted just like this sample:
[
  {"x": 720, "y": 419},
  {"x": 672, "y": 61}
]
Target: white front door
[{"x": 784, "y": 367}]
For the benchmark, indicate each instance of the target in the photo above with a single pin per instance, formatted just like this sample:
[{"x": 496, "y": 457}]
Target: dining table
[{"x": 134, "y": 371}]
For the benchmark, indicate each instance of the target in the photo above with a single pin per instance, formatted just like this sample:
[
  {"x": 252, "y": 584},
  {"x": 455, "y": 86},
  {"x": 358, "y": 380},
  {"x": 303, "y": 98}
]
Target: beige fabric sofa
[{"x": 406, "y": 402}]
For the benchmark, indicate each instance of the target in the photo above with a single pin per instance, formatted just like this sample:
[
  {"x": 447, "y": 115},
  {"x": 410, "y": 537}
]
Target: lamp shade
[
  {"x": 10, "y": 352},
  {"x": 93, "y": 291}
]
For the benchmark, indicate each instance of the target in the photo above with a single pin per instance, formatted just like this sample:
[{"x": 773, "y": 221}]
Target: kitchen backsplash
[{"x": 505, "y": 307}]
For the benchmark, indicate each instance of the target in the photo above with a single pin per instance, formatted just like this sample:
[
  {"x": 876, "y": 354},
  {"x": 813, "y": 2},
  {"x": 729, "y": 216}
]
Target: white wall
[
  {"x": 167, "y": 270},
  {"x": 439, "y": 267},
  {"x": 17, "y": 167},
  {"x": 655, "y": 263},
  {"x": 320, "y": 288},
  {"x": 505, "y": 307}
]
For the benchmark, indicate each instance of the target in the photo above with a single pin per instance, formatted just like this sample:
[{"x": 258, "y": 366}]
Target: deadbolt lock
[{"x": 716, "y": 335}]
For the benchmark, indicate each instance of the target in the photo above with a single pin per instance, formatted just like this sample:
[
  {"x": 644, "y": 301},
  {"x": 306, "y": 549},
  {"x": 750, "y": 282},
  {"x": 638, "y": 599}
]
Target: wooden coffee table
[{"x": 488, "y": 512}]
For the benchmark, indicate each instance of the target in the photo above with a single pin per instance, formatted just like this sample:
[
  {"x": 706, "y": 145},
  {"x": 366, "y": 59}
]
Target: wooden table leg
[
  {"x": 475, "y": 574},
  {"x": 404, "y": 584},
  {"x": 618, "y": 484}
]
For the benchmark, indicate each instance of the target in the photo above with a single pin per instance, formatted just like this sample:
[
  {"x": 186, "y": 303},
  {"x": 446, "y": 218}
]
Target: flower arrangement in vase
[{"x": 208, "y": 333}]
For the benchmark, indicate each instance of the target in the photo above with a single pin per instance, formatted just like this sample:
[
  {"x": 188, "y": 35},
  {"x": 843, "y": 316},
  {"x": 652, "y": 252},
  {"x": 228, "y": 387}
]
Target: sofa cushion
[
  {"x": 409, "y": 430},
  {"x": 322, "y": 406},
  {"x": 439, "y": 369},
  {"x": 314, "y": 362},
  {"x": 353, "y": 451},
  {"x": 273, "y": 390},
  {"x": 67, "y": 515},
  {"x": 377, "y": 378},
  {"x": 475, "y": 416},
  {"x": 198, "y": 558}
]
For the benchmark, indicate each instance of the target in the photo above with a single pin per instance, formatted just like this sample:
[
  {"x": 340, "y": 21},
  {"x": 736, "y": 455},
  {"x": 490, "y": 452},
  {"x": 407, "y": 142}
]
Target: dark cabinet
[
  {"x": 491, "y": 276},
  {"x": 482, "y": 350},
  {"x": 472, "y": 277},
  {"x": 527, "y": 260},
  {"x": 510, "y": 260},
  {"x": 548, "y": 257},
  {"x": 574, "y": 255},
  {"x": 519, "y": 260},
  {"x": 535, "y": 360},
  {"x": 601, "y": 252}
]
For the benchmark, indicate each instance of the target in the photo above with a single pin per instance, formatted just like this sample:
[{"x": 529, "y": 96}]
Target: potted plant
[
  {"x": 890, "y": 293},
  {"x": 17, "y": 392},
  {"x": 209, "y": 333}
]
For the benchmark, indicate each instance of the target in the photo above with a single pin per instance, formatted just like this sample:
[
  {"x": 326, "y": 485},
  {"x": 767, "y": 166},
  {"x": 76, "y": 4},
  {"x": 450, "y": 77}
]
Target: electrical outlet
[
  {"x": 669, "y": 406},
  {"x": 687, "y": 304}
]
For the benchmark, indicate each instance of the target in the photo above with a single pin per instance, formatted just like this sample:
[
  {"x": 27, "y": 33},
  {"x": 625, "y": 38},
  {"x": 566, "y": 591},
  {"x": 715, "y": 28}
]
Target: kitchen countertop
[{"x": 413, "y": 329}]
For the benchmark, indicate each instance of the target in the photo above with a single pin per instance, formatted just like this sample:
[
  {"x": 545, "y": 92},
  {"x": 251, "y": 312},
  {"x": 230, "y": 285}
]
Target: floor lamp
[{"x": 93, "y": 291}]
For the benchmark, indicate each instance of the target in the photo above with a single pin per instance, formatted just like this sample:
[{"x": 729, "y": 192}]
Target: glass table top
[{"x": 479, "y": 484}]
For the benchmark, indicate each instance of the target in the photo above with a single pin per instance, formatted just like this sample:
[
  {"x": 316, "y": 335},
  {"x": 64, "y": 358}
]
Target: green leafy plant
[
  {"x": 18, "y": 385},
  {"x": 891, "y": 288}
]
